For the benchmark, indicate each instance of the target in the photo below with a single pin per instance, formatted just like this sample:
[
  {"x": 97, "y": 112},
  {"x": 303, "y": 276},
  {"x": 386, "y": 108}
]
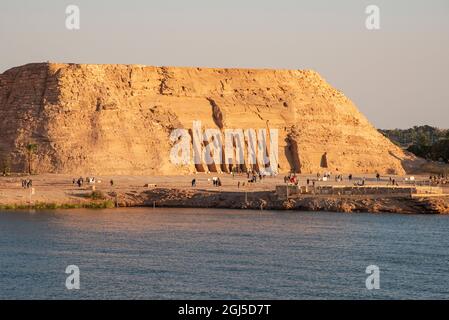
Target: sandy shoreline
[{"x": 58, "y": 191}]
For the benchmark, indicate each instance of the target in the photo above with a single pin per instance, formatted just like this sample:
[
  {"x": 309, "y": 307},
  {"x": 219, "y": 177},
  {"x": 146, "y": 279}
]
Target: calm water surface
[{"x": 221, "y": 254}]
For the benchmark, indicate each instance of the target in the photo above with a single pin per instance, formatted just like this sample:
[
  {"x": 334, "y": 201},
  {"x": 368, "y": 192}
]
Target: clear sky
[{"x": 397, "y": 76}]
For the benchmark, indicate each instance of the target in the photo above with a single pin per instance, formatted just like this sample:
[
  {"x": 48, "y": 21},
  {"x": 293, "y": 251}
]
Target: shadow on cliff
[
  {"x": 412, "y": 163},
  {"x": 292, "y": 154}
]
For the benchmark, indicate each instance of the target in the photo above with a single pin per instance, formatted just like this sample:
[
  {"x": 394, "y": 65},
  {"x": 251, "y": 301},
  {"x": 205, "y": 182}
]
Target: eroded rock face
[{"x": 116, "y": 119}]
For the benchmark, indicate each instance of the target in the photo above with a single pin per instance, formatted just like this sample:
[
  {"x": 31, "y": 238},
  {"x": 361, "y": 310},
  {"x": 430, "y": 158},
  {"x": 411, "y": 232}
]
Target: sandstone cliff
[{"x": 116, "y": 119}]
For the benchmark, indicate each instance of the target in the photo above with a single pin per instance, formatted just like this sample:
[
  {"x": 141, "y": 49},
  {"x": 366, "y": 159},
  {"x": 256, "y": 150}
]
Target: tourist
[
  {"x": 111, "y": 182},
  {"x": 193, "y": 182},
  {"x": 294, "y": 179}
]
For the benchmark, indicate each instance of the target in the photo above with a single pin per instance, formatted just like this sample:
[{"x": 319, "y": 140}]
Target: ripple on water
[{"x": 222, "y": 254}]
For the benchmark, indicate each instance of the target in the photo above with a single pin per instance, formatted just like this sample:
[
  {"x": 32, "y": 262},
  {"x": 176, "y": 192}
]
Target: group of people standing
[
  {"x": 27, "y": 183},
  {"x": 253, "y": 176},
  {"x": 79, "y": 182},
  {"x": 291, "y": 178},
  {"x": 392, "y": 182},
  {"x": 440, "y": 179},
  {"x": 216, "y": 181},
  {"x": 90, "y": 180}
]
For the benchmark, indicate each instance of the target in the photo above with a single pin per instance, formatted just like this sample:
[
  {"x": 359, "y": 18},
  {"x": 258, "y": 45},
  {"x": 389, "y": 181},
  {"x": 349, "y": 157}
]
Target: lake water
[{"x": 222, "y": 254}]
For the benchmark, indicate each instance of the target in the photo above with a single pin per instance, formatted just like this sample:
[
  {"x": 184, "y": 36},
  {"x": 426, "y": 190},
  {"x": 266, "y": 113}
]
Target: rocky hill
[{"x": 116, "y": 119}]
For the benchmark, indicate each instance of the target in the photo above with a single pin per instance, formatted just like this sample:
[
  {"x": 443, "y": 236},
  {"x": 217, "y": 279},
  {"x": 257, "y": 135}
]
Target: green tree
[{"x": 423, "y": 140}]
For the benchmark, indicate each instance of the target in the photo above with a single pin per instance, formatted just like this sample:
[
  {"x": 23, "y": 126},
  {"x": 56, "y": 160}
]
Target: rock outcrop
[{"x": 117, "y": 119}]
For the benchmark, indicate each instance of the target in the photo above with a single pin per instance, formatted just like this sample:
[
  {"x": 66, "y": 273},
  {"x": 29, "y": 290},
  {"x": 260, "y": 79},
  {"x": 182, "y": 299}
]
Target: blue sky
[{"x": 397, "y": 76}]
